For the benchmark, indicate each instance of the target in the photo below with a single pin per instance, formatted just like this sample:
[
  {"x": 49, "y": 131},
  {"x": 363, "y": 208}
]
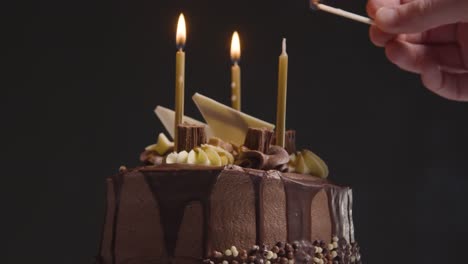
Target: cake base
[{"x": 191, "y": 214}]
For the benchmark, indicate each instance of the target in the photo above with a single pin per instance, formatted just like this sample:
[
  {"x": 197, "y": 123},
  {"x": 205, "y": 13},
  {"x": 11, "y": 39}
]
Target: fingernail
[{"x": 386, "y": 15}]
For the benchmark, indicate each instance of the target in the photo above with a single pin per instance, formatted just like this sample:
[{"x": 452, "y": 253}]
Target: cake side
[{"x": 187, "y": 214}]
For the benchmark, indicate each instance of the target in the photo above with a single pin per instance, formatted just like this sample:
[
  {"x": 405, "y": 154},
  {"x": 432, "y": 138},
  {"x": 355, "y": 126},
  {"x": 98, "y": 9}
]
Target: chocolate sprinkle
[{"x": 303, "y": 252}]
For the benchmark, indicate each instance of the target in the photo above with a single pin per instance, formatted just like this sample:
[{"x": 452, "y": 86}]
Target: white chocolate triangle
[
  {"x": 225, "y": 122},
  {"x": 167, "y": 117}
]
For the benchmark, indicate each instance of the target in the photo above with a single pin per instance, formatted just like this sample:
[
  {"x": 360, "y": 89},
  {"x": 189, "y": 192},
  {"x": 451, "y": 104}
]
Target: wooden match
[{"x": 340, "y": 12}]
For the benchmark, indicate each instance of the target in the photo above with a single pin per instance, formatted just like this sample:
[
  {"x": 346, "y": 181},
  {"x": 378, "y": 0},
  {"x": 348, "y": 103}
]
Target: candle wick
[{"x": 284, "y": 45}]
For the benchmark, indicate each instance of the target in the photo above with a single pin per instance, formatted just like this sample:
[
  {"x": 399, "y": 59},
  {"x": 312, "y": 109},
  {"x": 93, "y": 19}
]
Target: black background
[{"x": 84, "y": 77}]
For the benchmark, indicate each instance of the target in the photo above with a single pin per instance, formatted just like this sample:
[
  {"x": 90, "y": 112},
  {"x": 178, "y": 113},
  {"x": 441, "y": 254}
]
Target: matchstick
[{"x": 341, "y": 12}]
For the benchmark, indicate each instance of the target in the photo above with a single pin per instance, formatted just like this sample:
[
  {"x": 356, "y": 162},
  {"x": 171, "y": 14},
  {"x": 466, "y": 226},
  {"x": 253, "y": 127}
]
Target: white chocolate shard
[
  {"x": 225, "y": 122},
  {"x": 162, "y": 146},
  {"x": 167, "y": 117}
]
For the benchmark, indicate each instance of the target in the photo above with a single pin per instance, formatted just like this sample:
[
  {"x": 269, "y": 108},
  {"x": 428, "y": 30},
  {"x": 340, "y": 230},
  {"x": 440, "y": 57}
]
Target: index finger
[{"x": 374, "y": 5}]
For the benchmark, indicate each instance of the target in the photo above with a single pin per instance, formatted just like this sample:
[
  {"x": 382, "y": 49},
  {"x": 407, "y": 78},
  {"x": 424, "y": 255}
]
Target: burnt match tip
[{"x": 313, "y": 4}]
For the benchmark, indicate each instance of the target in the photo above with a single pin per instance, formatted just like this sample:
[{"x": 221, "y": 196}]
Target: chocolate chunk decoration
[
  {"x": 290, "y": 141},
  {"x": 190, "y": 136},
  {"x": 258, "y": 139}
]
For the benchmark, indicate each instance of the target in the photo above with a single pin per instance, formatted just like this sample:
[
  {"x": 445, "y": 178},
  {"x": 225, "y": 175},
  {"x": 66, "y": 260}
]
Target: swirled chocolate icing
[
  {"x": 180, "y": 213},
  {"x": 276, "y": 158}
]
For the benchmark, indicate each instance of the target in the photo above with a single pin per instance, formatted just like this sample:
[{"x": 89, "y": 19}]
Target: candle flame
[
  {"x": 235, "y": 47},
  {"x": 181, "y": 32}
]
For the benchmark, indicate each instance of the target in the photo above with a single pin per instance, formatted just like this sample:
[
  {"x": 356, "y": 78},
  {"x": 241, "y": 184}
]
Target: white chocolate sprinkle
[
  {"x": 269, "y": 255},
  {"x": 228, "y": 252}
]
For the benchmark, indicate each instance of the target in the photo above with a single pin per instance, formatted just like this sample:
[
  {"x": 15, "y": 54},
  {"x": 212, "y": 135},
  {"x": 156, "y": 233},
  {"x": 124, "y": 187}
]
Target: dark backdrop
[{"x": 84, "y": 77}]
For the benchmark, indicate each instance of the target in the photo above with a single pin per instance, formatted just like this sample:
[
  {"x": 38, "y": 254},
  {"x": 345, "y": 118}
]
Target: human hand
[{"x": 427, "y": 37}]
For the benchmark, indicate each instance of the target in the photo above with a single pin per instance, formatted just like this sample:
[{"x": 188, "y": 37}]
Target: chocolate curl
[
  {"x": 251, "y": 159},
  {"x": 258, "y": 139},
  {"x": 275, "y": 159},
  {"x": 290, "y": 141},
  {"x": 190, "y": 136}
]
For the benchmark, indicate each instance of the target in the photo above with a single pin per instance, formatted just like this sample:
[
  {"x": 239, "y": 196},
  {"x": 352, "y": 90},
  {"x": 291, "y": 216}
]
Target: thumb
[{"x": 421, "y": 15}]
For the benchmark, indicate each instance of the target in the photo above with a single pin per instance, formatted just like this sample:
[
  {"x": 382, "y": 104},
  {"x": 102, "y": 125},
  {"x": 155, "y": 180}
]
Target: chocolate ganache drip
[
  {"x": 299, "y": 198},
  {"x": 174, "y": 195}
]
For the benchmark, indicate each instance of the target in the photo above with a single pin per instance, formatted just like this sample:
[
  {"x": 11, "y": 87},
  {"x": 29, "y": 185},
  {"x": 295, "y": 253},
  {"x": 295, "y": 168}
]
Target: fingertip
[
  {"x": 378, "y": 37},
  {"x": 386, "y": 18},
  {"x": 393, "y": 52},
  {"x": 431, "y": 77},
  {"x": 373, "y": 36},
  {"x": 371, "y": 8}
]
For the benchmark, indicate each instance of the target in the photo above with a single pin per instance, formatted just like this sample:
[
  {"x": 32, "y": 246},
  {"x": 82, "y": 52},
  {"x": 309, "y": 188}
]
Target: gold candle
[
  {"x": 282, "y": 92},
  {"x": 180, "y": 76},
  {"x": 235, "y": 72}
]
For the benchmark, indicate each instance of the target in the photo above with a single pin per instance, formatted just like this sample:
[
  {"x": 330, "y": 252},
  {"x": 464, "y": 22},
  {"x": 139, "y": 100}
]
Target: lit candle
[
  {"x": 180, "y": 75},
  {"x": 282, "y": 91},
  {"x": 235, "y": 72}
]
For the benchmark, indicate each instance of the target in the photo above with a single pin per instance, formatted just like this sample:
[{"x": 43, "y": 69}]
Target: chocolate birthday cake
[{"x": 226, "y": 194}]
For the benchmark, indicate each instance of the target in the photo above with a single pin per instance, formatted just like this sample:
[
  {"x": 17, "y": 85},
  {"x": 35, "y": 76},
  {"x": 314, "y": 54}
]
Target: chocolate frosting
[
  {"x": 176, "y": 186},
  {"x": 276, "y": 158},
  {"x": 299, "y": 198},
  {"x": 173, "y": 197}
]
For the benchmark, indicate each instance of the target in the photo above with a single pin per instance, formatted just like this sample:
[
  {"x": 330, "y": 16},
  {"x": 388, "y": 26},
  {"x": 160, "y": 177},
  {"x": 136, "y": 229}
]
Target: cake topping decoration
[
  {"x": 225, "y": 122},
  {"x": 315, "y": 252},
  {"x": 162, "y": 146},
  {"x": 258, "y": 139},
  {"x": 206, "y": 154},
  {"x": 258, "y": 149},
  {"x": 167, "y": 116},
  {"x": 190, "y": 136},
  {"x": 306, "y": 162},
  {"x": 275, "y": 158}
]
